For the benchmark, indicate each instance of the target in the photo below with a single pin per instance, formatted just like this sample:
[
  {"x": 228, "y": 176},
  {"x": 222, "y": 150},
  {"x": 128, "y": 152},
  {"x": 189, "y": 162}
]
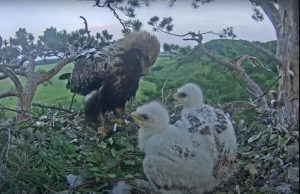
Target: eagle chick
[
  {"x": 172, "y": 164},
  {"x": 197, "y": 116}
]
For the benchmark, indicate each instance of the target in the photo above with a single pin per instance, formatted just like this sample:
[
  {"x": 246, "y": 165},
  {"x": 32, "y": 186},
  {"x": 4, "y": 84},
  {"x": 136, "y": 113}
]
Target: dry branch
[
  {"x": 86, "y": 30},
  {"x": 237, "y": 68},
  {"x": 53, "y": 71},
  {"x": 51, "y": 107},
  {"x": 113, "y": 10},
  {"x": 7, "y": 93},
  {"x": 250, "y": 84},
  {"x": 13, "y": 77},
  {"x": 25, "y": 113},
  {"x": 266, "y": 52},
  {"x": 3, "y": 77}
]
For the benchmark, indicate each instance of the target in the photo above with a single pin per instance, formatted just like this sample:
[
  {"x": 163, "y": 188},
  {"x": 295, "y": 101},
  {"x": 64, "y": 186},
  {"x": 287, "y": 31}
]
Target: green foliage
[
  {"x": 43, "y": 153},
  {"x": 51, "y": 43},
  {"x": 218, "y": 84},
  {"x": 38, "y": 158}
]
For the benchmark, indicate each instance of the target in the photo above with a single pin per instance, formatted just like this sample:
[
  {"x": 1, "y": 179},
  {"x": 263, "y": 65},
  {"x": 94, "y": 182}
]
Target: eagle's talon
[
  {"x": 118, "y": 121},
  {"x": 102, "y": 131}
]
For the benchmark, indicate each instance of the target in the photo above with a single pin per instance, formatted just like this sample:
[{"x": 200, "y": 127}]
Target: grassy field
[
  {"x": 51, "y": 92},
  {"x": 54, "y": 92}
]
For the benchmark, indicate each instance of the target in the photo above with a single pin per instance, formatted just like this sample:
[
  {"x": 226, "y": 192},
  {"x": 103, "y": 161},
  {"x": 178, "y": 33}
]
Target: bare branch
[
  {"x": 51, "y": 107},
  {"x": 3, "y": 77},
  {"x": 86, "y": 29},
  {"x": 17, "y": 72},
  {"x": 198, "y": 37},
  {"x": 8, "y": 93},
  {"x": 13, "y": 77},
  {"x": 53, "y": 71},
  {"x": 267, "y": 89},
  {"x": 113, "y": 10},
  {"x": 11, "y": 66},
  {"x": 273, "y": 57},
  {"x": 250, "y": 84},
  {"x": 252, "y": 93},
  {"x": 164, "y": 98},
  {"x": 255, "y": 62},
  {"x": 20, "y": 72},
  {"x": 22, "y": 112},
  {"x": 15, "y": 66}
]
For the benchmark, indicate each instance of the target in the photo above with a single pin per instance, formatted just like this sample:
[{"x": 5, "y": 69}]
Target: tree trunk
[
  {"x": 288, "y": 51},
  {"x": 25, "y": 99}
]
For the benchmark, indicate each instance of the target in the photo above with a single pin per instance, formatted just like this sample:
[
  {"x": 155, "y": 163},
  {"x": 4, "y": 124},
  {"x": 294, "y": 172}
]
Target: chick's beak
[
  {"x": 137, "y": 118},
  {"x": 176, "y": 97}
]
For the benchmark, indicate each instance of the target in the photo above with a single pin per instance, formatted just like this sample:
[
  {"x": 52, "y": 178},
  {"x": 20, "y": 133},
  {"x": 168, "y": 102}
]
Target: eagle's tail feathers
[{"x": 64, "y": 76}]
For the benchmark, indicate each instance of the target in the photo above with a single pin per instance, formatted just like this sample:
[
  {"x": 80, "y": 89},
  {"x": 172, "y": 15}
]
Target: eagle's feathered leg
[{"x": 101, "y": 128}]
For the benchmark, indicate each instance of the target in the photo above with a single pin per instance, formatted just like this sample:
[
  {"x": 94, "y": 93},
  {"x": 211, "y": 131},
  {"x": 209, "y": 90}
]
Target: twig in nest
[
  {"x": 266, "y": 90},
  {"x": 50, "y": 190},
  {"x": 70, "y": 108},
  {"x": 163, "y": 91},
  {"x": 17, "y": 111}
]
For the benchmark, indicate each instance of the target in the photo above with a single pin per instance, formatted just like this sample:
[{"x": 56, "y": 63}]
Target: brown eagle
[{"x": 109, "y": 77}]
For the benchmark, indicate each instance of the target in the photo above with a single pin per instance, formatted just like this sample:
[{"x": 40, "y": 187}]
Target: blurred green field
[
  {"x": 54, "y": 92},
  {"x": 51, "y": 92}
]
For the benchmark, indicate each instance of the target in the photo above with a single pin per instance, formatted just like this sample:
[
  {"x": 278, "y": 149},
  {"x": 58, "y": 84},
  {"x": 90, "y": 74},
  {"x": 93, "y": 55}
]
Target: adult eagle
[{"x": 109, "y": 77}]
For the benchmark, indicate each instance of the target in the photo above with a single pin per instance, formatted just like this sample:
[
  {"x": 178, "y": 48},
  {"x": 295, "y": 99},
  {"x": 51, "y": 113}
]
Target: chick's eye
[
  {"x": 145, "y": 117},
  {"x": 182, "y": 94}
]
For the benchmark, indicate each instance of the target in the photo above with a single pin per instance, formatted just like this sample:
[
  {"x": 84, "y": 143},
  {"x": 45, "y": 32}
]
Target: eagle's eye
[
  {"x": 182, "y": 95},
  {"x": 144, "y": 116}
]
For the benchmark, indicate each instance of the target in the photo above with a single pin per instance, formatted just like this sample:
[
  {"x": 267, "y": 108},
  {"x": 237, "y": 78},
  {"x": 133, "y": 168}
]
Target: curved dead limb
[
  {"x": 254, "y": 61},
  {"x": 53, "y": 71},
  {"x": 235, "y": 67},
  {"x": 13, "y": 77},
  {"x": 276, "y": 60},
  {"x": 86, "y": 30},
  {"x": 247, "y": 80}
]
